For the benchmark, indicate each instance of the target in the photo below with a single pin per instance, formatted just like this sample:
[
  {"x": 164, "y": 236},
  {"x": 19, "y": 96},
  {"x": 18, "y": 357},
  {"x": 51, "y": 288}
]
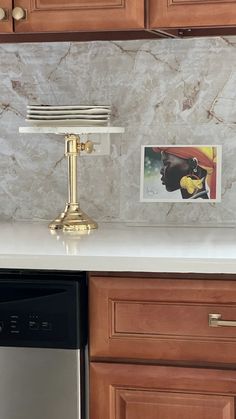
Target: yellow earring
[{"x": 192, "y": 185}]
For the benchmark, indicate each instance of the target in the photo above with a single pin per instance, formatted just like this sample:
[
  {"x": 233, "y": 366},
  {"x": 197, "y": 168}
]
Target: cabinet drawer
[{"x": 161, "y": 319}]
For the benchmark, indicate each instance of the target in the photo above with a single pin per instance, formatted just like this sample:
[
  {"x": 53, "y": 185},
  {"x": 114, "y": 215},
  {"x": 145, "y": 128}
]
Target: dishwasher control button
[
  {"x": 46, "y": 325},
  {"x": 33, "y": 325}
]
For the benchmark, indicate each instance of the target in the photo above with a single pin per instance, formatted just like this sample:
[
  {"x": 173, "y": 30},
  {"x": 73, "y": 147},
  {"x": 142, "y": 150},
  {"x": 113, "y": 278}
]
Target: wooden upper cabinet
[
  {"x": 80, "y": 15},
  {"x": 6, "y": 25},
  {"x": 127, "y": 16},
  {"x": 191, "y": 13}
]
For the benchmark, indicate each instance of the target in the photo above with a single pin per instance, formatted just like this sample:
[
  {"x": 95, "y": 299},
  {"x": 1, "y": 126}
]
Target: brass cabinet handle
[
  {"x": 3, "y": 14},
  {"x": 215, "y": 321},
  {"x": 19, "y": 14}
]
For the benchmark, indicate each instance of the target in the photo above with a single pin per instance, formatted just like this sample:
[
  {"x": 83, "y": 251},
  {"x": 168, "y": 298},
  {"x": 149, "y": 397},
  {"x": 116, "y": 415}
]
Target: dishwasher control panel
[
  {"x": 32, "y": 326},
  {"x": 43, "y": 309}
]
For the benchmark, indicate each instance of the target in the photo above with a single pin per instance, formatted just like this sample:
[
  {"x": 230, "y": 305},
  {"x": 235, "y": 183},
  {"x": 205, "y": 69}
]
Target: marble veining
[{"x": 162, "y": 91}]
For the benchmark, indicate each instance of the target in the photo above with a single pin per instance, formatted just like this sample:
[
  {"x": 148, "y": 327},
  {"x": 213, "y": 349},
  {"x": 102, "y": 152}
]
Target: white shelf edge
[{"x": 72, "y": 130}]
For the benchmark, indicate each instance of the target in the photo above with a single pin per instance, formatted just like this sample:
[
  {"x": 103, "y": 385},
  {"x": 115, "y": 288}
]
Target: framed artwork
[{"x": 181, "y": 173}]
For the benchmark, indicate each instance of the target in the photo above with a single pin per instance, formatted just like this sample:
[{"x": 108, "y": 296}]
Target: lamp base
[{"x": 73, "y": 219}]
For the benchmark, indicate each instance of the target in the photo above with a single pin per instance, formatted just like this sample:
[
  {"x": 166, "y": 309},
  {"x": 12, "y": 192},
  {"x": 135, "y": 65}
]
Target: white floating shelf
[{"x": 72, "y": 130}]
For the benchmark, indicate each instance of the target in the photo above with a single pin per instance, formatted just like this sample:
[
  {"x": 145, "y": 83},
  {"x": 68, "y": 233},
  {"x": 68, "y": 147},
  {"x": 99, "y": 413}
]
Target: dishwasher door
[
  {"x": 42, "y": 339},
  {"x": 39, "y": 383}
]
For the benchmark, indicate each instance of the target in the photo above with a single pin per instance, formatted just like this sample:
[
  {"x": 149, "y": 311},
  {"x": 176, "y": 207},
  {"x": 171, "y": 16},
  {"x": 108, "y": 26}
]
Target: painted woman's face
[{"x": 173, "y": 169}]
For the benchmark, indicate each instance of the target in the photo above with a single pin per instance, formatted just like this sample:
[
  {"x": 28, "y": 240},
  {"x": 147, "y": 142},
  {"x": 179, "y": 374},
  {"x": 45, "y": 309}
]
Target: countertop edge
[{"x": 118, "y": 264}]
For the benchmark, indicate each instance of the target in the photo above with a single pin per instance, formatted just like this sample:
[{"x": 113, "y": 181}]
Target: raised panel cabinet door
[
  {"x": 119, "y": 391},
  {"x": 80, "y": 15},
  {"x": 191, "y": 13},
  {"x": 6, "y": 25}
]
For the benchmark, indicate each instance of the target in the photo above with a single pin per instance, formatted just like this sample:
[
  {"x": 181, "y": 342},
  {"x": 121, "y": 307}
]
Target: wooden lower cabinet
[
  {"x": 162, "y": 319},
  {"x": 125, "y": 391},
  {"x": 162, "y": 346}
]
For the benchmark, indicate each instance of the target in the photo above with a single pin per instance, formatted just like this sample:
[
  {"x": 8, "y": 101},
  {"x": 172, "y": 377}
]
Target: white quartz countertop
[{"x": 119, "y": 247}]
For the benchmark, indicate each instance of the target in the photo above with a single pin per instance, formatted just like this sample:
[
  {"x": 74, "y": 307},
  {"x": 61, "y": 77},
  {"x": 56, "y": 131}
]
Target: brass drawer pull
[
  {"x": 3, "y": 14},
  {"x": 19, "y": 14},
  {"x": 215, "y": 321}
]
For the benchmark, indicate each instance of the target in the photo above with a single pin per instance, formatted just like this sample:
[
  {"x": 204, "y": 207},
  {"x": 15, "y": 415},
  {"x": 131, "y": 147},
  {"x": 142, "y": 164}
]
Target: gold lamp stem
[
  {"x": 71, "y": 151},
  {"x": 73, "y": 219}
]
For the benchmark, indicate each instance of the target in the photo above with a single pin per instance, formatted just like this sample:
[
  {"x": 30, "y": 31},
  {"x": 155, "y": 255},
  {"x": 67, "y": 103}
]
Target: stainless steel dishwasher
[{"x": 42, "y": 339}]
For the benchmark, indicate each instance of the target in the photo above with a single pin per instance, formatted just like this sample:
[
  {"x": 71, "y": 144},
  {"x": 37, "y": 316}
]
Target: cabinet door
[
  {"x": 81, "y": 15},
  {"x": 191, "y": 13},
  {"x": 6, "y": 22},
  {"x": 119, "y": 391}
]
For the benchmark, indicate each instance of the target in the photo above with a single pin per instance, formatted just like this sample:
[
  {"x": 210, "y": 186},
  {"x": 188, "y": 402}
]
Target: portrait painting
[{"x": 181, "y": 173}]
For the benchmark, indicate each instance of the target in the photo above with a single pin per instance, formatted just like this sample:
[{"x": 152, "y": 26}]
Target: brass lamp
[{"x": 72, "y": 219}]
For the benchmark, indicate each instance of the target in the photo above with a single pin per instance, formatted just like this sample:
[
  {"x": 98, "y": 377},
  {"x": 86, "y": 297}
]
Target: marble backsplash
[{"x": 161, "y": 91}]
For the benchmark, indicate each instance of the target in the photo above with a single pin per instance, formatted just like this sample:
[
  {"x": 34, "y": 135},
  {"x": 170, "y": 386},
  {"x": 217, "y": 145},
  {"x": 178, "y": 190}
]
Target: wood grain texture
[
  {"x": 191, "y": 13},
  {"x": 77, "y": 4},
  {"x": 120, "y": 391},
  {"x": 161, "y": 319},
  {"x": 100, "y": 15},
  {"x": 6, "y": 26},
  {"x": 136, "y": 404}
]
